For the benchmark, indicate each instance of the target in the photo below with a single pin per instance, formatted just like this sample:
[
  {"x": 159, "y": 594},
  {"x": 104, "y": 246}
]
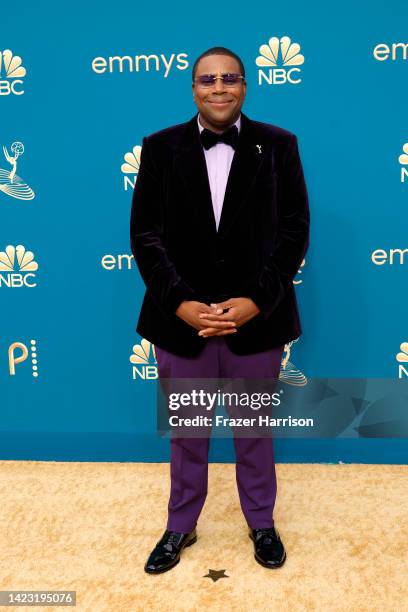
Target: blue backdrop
[{"x": 80, "y": 85}]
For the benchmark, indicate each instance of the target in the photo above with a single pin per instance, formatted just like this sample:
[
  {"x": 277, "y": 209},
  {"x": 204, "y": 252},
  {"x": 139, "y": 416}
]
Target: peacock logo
[
  {"x": 144, "y": 361},
  {"x": 130, "y": 167},
  {"x": 403, "y": 160},
  {"x": 402, "y": 358},
  {"x": 279, "y": 62},
  {"x": 298, "y": 280},
  {"x": 12, "y": 72},
  {"x": 17, "y": 267}
]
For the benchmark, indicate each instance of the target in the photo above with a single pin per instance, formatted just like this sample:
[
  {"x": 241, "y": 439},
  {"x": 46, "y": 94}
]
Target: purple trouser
[{"x": 255, "y": 465}]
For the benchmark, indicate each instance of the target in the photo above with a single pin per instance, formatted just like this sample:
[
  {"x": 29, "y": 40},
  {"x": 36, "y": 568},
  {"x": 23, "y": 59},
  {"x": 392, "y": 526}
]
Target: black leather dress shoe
[
  {"x": 269, "y": 549},
  {"x": 167, "y": 551}
]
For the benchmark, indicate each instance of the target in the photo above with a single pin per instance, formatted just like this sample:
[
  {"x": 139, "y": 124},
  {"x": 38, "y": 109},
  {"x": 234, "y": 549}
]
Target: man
[{"x": 219, "y": 228}]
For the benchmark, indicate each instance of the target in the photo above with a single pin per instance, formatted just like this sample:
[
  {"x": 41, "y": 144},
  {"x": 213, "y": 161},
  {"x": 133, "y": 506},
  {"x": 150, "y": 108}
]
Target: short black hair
[{"x": 219, "y": 51}]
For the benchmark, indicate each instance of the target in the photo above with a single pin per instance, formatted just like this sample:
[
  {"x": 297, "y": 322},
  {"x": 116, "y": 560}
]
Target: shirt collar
[{"x": 237, "y": 123}]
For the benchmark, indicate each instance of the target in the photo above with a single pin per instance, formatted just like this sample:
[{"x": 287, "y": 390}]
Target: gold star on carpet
[{"x": 216, "y": 574}]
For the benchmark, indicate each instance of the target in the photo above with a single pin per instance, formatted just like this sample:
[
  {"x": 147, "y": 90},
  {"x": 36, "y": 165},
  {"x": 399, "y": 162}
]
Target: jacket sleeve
[
  {"x": 159, "y": 274},
  {"x": 269, "y": 286}
]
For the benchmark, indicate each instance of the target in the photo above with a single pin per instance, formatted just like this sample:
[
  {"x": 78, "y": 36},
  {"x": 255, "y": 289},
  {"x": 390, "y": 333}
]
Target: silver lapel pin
[{"x": 259, "y": 148}]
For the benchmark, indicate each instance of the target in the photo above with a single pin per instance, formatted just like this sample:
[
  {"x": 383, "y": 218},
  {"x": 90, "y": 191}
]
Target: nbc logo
[
  {"x": 17, "y": 267},
  {"x": 278, "y": 60},
  {"x": 10, "y": 183},
  {"x": 402, "y": 358},
  {"x": 130, "y": 168},
  {"x": 18, "y": 352},
  {"x": 11, "y": 73},
  {"x": 403, "y": 160},
  {"x": 144, "y": 361}
]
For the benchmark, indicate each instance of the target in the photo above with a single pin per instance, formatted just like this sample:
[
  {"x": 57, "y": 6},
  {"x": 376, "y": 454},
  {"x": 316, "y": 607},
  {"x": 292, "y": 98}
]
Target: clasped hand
[{"x": 211, "y": 321}]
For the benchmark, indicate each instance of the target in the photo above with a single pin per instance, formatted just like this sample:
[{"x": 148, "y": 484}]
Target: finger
[
  {"x": 227, "y": 303},
  {"x": 227, "y": 316},
  {"x": 205, "y": 308},
  {"x": 217, "y": 324},
  {"x": 224, "y": 332},
  {"x": 216, "y": 308},
  {"x": 208, "y": 331},
  {"x": 212, "y": 331}
]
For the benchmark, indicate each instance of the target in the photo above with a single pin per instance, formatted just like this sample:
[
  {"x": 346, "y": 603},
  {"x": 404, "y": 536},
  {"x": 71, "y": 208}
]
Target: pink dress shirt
[{"x": 219, "y": 160}]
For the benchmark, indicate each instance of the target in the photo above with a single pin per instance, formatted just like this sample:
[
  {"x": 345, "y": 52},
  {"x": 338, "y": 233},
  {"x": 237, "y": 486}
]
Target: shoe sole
[
  {"x": 165, "y": 569},
  {"x": 276, "y": 566}
]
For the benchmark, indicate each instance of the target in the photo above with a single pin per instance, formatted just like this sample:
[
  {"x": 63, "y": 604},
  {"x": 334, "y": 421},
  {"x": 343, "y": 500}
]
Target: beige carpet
[{"x": 89, "y": 527}]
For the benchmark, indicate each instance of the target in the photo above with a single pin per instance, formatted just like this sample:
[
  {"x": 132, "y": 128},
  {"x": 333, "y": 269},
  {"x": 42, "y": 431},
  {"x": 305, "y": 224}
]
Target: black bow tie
[{"x": 230, "y": 137}]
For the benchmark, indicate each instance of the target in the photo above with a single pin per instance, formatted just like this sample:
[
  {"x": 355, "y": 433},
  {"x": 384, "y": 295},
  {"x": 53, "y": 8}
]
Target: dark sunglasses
[{"x": 228, "y": 78}]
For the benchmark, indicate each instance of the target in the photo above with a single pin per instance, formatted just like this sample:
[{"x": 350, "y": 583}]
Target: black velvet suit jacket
[{"x": 260, "y": 244}]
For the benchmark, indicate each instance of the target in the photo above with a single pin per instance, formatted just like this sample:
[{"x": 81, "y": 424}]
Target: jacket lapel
[
  {"x": 192, "y": 168},
  {"x": 244, "y": 169}
]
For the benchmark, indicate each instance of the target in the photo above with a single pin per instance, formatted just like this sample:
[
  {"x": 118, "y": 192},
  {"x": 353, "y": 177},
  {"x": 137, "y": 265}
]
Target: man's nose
[{"x": 219, "y": 85}]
